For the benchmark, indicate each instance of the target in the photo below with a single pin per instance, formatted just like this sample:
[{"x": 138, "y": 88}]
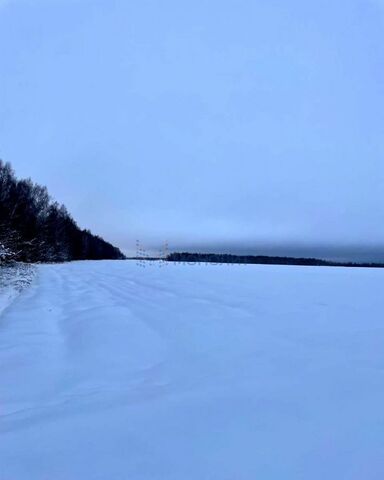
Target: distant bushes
[
  {"x": 260, "y": 260},
  {"x": 247, "y": 259},
  {"x": 34, "y": 228}
]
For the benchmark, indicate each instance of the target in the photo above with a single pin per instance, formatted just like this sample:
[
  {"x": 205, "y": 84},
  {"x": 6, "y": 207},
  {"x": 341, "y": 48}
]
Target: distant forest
[
  {"x": 261, "y": 260},
  {"x": 34, "y": 228}
]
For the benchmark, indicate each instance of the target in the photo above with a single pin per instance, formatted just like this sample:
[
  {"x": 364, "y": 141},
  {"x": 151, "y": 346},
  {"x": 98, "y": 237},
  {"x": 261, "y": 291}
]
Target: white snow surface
[
  {"x": 109, "y": 371},
  {"x": 13, "y": 279}
]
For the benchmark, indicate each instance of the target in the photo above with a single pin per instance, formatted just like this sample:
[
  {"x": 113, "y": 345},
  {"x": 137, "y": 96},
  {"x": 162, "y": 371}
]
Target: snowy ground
[
  {"x": 109, "y": 371},
  {"x": 13, "y": 279}
]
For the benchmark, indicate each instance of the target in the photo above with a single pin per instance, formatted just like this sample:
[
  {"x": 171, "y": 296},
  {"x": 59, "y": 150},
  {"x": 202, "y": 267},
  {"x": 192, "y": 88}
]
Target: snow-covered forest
[{"x": 35, "y": 228}]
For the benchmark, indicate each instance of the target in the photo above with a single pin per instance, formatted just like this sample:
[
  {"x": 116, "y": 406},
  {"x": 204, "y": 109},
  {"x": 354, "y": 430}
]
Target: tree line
[
  {"x": 35, "y": 228},
  {"x": 187, "y": 257}
]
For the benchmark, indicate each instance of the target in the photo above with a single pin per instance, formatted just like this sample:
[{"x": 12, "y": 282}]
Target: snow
[
  {"x": 13, "y": 279},
  {"x": 110, "y": 371}
]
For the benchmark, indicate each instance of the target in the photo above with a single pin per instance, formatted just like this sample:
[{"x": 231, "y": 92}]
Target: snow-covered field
[{"x": 109, "y": 371}]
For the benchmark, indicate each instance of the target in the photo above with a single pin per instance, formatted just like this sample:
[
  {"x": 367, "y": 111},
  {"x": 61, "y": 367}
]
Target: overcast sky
[{"x": 244, "y": 125}]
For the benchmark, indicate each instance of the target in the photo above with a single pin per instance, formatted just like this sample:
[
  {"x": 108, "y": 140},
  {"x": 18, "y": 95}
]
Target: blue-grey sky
[{"x": 252, "y": 125}]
